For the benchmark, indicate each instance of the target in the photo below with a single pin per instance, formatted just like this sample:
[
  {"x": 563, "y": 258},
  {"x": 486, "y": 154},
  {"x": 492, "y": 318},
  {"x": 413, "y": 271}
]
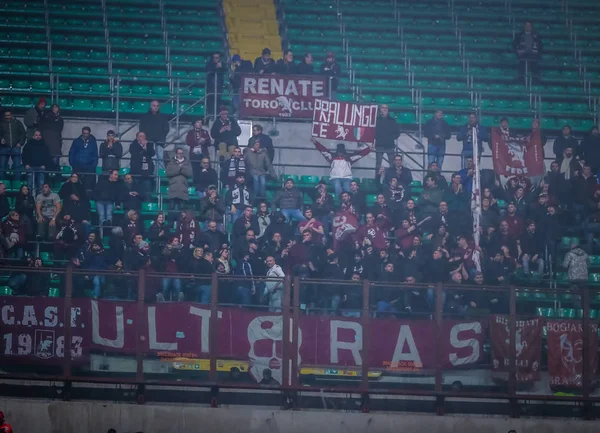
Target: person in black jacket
[
  {"x": 141, "y": 164},
  {"x": 305, "y": 67},
  {"x": 331, "y": 69},
  {"x": 437, "y": 132},
  {"x": 589, "y": 151},
  {"x": 109, "y": 191},
  {"x": 51, "y": 126},
  {"x": 200, "y": 263},
  {"x": 25, "y": 206},
  {"x": 111, "y": 152},
  {"x": 563, "y": 141},
  {"x": 532, "y": 249},
  {"x": 265, "y": 141},
  {"x": 75, "y": 201},
  {"x": 130, "y": 195},
  {"x": 264, "y": 64},
  {"x": 239, "y": 67},
  {"x": 215, "y": 73},
  {"x": 528, "y": 46},
  {"x": 286, "y": 65},
  {"x": 225, "y": 131},
  {"x": 155, "y": 126},
  {"x": 386, "y": 133},
  {"x": 204, "y": 176},
  {"x": 36, "y": 159},
  {"x": 248, "y": 221}
]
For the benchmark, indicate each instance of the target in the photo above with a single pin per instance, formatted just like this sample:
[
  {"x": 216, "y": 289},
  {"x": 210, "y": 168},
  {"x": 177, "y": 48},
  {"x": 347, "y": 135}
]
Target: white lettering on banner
[
  {"x": 51, "y": 317},
  {"x": 331, "y": 112},
  {"x": 277, "y": 86},
  {"x": 335, "y": 345},
  {"x": 460, "y": 344},
  {"x": 405, "y": 336},
  {"x": 153, "y": 343},
  {"x": 119, "y": 340},
  {"x": 204, "y": 327},
  {"x": 29, "y": 318},
  {"x": 6, "y": 319},
  {"x": 554, "y": 326}
]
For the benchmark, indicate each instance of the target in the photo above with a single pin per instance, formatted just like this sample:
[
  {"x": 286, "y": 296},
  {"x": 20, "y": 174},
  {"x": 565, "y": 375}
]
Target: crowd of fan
[{"x": 406, "y": 236}]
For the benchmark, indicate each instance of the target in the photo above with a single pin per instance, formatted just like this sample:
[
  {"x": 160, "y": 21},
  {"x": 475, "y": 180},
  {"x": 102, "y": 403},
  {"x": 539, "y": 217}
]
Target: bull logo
[
  {"x": 44, "y": 344},
  {"x": 516, "y": 152},
  {"x": 341, "y": 132},
  {"x": 285, "y": 103}
]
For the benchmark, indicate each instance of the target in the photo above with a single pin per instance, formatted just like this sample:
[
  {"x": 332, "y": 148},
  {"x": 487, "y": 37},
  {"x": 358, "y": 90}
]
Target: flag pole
[{"x": 476, "y": 198}]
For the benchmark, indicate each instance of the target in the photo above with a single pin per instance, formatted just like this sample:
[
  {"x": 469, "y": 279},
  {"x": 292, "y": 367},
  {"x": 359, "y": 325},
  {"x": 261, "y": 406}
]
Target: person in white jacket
[
  {"x": 341, "y": 164},
  {"x": 274, "y": 288}
]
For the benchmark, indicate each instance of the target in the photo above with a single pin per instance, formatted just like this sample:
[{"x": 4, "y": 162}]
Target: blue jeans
[
  {"x": 7, "y": 153},
  {"x": 341, "y": 185},
  {"x": 98, "y": 281},
  {"x": 232, "y": 217},
  {"x": 160, "y": 157},
  {"x": 201, "y": 194},
  {"x": 17, "y": 282},
  {"x": 105, "y": 210},
  {"x": 203, "y": 294},
  {"x": 385, "y": 308},
  {"x": 431, "y": 298},
  {"x": 35, "y": 178},
  {"x": 293, "y": 213},
  {"x": 435, "y": 154},
  {"x": 259, "y": 183},
  {"x": 172, "y": 285},
  {"x": 244, "y": 296}
]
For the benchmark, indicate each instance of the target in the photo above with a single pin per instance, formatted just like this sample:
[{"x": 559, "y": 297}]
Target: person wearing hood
[
  {"x": 239, "y": 67},
  {"x": 259, "y": 166},
  {"x": 341, "y": 164},
  {"x": 265, "y": 64},
  {"x": 155, "y": 126},
  {"x": 111, "y": 152},
  {"x": 279, "y": 225},
  {"x": 34, "y": 117},
  {"x": 51, "y": 128},
  {"x": 37, "y": 160},
  {"x": 589, "y": 151},
  {"x": 387, "y": 131},
  {"x": 437, "y": 132},
  {"x": 179, "y": 170},
  {"x": 12, "y": 139},
  {"x": 141, "y": 164},
  {"x": 75, "y": 199},
  {"x": 565, "y": 140},
  {"x": 91, "y": 256},
  {"x": 576, "y": 263},
  {"x": 83, "y": 157}
]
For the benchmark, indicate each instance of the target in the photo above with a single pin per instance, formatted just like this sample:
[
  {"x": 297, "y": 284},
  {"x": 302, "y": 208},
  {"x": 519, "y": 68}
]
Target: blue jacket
[
  {"x": 463, "y": 135},
  {"x": 82, "y": 155}
]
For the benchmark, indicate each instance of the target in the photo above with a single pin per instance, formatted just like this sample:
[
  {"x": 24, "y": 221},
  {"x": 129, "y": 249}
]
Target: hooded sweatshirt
[{"x": 576, "y": 261}]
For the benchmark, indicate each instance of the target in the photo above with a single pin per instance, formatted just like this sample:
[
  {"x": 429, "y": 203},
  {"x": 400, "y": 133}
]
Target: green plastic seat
[
  {"x": 102, "y": 105},
  {"x": 53, "y": 292},
  {"x": 82, "y": 104},
  {"x": 566, "y": 313},
  {"x": 149, "y": 207},
  {"x": 192, "y": 191},
  {"x": 309, "y": 181},
  {"x": 101, "y": 88},
  {"x": 5, "y": 291},
  {"x": 545, "y": 312},
  {"x": 40, "y": 86}
]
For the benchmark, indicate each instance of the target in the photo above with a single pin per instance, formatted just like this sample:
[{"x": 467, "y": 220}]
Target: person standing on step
[
  {"x": 111, "y": 152},
  {"x": 12, "y": 139},
  {"x": 332, "y": 69},
  {"x": 156, "y": 127},
  {"x": 437, "y": 131},
  {"x": 266, "y": 142},
  {"x": 225, "y": 131},
  {"x": 528, "y": 46},
  {"x": 466, "y": 133},
  {"x": 34, "y": 117},
  {"x": 259, "y": 167},
  {"x": 51, "y": 128},
  {"x": 387, "y": 131},
  {"x": 215, "y": 77},
  {"x": 83, "y": 157},
  {"x": 179, "y": 170}
]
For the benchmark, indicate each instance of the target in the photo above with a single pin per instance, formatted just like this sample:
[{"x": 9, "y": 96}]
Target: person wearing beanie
[
  {"x": 265, "y": 64},
  {"x": 33, "y": 117},
  {"x": 239, "y": 67}
]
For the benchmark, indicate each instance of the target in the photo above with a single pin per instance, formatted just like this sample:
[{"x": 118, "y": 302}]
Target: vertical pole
[
  {"x": 216, "y": 99},
  {"x": 439, "y": 325},
  {"x": 177, "y": 112},
  {"x": 288, "y": 353},
  {"x": 68, "y": 321},
  {"x": 213, "y": 334},
  {"x": 139, "y": 355},
  {"x": 587, "y": 354},
  {"x": 365, "y": 322},
  {"x": 118, "y": 107},
  {"x": 512, "y": 348},
  {"x": 295, "y": 324},
  {"x": 57, "y": 90}
]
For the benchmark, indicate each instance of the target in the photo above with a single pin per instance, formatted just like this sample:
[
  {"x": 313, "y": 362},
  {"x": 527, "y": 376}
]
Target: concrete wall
[{"x": 36, "y": 416}]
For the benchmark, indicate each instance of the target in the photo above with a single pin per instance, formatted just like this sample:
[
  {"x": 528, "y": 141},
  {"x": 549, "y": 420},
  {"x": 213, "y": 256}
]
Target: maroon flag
[
  {"x": 565, "y": 352},
  {"x": 344, "y": 225},
  {"x": 528, "y": 347},
  {"x": 517, "y": 155},
  {"x": 287, "y": 96},
  {"x": 344, "y": 121}
]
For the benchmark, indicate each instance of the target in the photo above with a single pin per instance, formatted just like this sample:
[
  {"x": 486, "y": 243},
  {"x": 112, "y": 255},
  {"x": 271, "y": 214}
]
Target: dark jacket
[
  {"x": 12, "y": 133},
  {"x": 519, "y": 43},
  {"x": 404, "y": 177},
  {"x": 141, "y": 159},
  {"x": 589, "y": 151},
  {"x": 84, "y": 154},
  {"x": 33, "y": 119},
  {"x": 107, "y": 190},
  {"x": 286, "y": 68},
  {"x": 228, "y": 137},
  {"x": 265, "y": 143},
  {"x": 51, "y": 127},
  {"x": 25, "y": 205},
  {"x": 531, "y": 243},
  {"x": 241, "y": 226},
  {"x": 244, "y": 68},
  {"x": 304, "y": 69},
  {"x": 36, "y": 154},
  {"x": 210, "y": 210},
  {"x": 562, "y": 142},
  {"x": 78, "y": 209},
  {"x": 333, "y": 70},
  {"x": 156, "y": 127},
  {"x": 203, "y": 178},
  {"x": 4, "y": 207},
  {"x": 111, "y": 156},
  {"x": 386, "y": 132},
  {"x": 287, "y": 199},
  {"x": 131, "y": 201},
  {"x": 213, "y": 72},
  {"x": 438, "y": 127},
  {"x": 198, "y": 139},
  {"x": 467, "y": 139},
  {"x": 261, "y": 67}
]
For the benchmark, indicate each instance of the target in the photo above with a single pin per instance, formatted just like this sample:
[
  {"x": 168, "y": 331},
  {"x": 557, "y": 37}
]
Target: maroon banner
[
  {"x": 517, "y": 155},
  {"x": 288, "y": 96},
  {"x": 528, "y": 347},
  {"x": 565, "y": 352},
  {"x": 344, "y": 225},
  {"x": 345, "y": 121}
]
